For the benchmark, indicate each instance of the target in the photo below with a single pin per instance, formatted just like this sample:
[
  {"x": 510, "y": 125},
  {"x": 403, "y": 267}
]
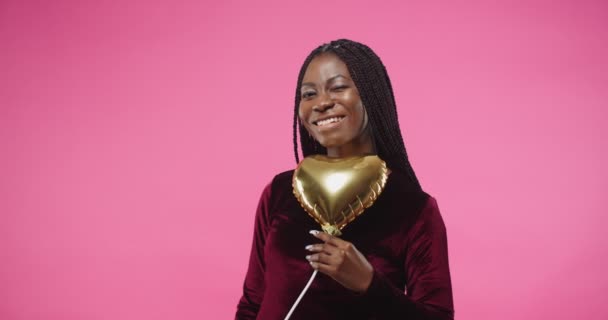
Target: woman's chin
[
  {"x": 334, "y": 147},
  {"x": 331, "y": 144}
]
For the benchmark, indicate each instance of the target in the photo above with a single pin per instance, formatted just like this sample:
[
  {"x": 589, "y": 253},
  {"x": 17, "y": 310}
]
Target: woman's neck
[{"x": 360, "y": 147}]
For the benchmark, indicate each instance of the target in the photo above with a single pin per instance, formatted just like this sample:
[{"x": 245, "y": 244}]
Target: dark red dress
[{"x": 402, "y": 235}]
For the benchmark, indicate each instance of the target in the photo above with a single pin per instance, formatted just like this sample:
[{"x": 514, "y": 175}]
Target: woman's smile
[{"x": 329, "y": 123}]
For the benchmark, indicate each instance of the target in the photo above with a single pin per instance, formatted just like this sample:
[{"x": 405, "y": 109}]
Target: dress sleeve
[
  {"x": 253, "y": 288},
  {"x": 429, "y": 289}
]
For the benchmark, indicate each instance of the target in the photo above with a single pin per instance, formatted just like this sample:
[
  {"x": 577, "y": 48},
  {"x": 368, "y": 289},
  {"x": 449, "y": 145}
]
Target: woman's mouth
[{"x": 328, "y": 121}]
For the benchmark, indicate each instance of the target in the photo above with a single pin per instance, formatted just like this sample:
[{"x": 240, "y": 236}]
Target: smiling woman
[{"x": 390, "y": 263}]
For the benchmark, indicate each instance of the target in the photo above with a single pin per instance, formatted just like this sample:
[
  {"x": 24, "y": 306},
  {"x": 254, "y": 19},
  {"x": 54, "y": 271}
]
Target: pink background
[{"x": 136, "y": 138}]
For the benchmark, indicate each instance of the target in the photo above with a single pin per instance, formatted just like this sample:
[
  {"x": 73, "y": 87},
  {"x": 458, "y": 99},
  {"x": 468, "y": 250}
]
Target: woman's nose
[{"x": 324, "y": 103}]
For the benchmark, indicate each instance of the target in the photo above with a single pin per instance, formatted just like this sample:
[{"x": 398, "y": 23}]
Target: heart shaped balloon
[{"x": 334, "y": 191}]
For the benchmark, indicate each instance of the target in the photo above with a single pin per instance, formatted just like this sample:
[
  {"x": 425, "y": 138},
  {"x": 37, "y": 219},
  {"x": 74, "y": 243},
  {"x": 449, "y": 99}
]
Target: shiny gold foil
[{"x": 334, "y": 191}]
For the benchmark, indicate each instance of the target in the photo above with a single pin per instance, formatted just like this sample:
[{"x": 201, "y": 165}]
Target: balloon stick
[{"x": 301, "y": 294}]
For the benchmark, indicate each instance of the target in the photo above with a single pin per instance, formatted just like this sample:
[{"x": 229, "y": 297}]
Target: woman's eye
[
  {"x": 308, "y": 94},
  {"x": 340, "y": 87}
]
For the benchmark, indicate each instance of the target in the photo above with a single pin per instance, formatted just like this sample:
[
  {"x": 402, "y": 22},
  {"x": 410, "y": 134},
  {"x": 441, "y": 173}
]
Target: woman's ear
[
  {"x": 368, "y": 127},
  {"x": 365, "y": 119}
]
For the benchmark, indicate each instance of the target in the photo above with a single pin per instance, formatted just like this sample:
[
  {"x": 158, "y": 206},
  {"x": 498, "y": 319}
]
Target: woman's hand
[{"x": 340, "y": 260}]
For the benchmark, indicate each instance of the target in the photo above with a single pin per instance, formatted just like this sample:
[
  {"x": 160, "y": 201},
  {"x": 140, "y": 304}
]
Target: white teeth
[{"x": 328, "y": 121}]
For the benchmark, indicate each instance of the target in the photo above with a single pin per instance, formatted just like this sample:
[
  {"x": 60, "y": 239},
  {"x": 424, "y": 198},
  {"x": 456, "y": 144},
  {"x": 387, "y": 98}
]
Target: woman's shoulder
[
  {"x": 284, "y": 177},
  {"x": 411, "y": 197},
  {"x": 278, "y": 187},
  {"x": 403, "y": 187},
  {"x": 280, "y": 181}
]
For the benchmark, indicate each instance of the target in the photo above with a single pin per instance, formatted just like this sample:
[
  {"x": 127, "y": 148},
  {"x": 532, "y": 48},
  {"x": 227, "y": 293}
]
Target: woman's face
[{"x": 331, "y": 109}]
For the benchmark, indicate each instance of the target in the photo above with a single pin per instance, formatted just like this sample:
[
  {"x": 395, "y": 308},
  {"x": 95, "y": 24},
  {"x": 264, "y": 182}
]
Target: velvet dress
[{"x": 402, "y": 235}]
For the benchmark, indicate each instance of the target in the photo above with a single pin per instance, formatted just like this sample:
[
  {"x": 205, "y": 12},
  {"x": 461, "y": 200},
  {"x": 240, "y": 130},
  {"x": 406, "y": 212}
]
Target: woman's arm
[
  {"x": 253, "y": 288},
  {"x": 429, "y": 289}
]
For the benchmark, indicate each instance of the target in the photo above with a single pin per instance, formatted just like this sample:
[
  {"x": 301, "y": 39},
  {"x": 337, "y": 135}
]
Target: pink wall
[{"x": 136, "y": 138}]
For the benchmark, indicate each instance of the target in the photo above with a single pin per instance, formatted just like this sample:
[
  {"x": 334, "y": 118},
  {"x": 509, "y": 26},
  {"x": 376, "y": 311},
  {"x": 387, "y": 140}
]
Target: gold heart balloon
[{"x": 334, "y": 191}]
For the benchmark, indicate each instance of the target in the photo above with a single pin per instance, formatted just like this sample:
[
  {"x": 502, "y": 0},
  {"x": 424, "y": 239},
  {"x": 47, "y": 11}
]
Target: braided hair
[{"x": 374, "y": 86}]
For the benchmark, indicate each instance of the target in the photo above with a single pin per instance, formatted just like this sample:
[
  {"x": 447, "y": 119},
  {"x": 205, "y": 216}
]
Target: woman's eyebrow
[
  {"x": 336, "y": 77},
  {"x": 310, "y": 84}
]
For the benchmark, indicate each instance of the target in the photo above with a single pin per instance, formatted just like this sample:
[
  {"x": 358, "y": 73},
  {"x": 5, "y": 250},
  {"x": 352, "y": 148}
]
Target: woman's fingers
[
  {"x": 333, "y": 256},
  {"x": 327, "y": 238},
  {"x": 340, "y": 260},
  {"x": 326, "y": 263},
  {"x": 324, "y": 268},
  {"x": 319, "y": 257},
  {"x": 323, "y": 247},
  {"x": 327, "y": 256}
]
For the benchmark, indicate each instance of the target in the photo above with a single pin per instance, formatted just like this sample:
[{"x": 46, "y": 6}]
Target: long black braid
[{"x": 374, "y": 85}]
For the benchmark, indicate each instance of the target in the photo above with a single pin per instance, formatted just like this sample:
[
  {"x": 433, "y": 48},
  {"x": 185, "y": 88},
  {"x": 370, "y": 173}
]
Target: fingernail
[
  {"x": 314, "y": 232},
  {"x": 308, "y": 247},
  {"x": 308, "y": 258}
]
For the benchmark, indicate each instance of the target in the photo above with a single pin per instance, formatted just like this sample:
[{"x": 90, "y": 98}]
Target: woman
[{"x": 392, "y": 261}]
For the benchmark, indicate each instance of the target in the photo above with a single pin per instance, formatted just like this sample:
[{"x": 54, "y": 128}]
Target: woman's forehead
[{"x": 324, "y": 67}]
